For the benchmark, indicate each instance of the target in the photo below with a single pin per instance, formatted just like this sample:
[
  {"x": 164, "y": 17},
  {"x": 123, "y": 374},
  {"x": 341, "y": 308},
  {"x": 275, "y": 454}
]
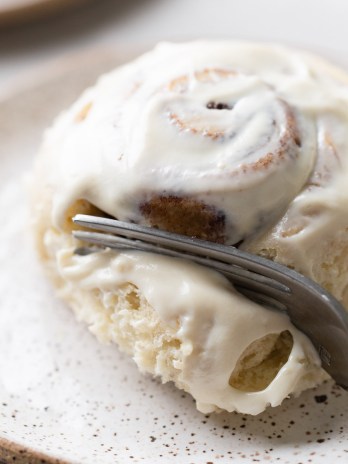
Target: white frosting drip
[{"x": 216, "y": 323}]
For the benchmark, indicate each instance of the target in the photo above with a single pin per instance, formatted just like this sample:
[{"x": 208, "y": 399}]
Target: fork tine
[
  {"x": 235, "y": 273},
  {"x": 225, "y": 254}
]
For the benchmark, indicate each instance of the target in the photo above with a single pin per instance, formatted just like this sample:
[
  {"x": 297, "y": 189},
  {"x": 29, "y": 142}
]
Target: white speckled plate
[{"x": 66, "y": 398}]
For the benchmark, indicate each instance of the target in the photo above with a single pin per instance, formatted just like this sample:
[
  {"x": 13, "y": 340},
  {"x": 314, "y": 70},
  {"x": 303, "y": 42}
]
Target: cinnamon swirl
[{"x": 233, "y": 142}]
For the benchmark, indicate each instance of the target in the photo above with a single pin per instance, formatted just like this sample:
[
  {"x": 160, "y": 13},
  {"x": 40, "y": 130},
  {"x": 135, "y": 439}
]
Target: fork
[{"x": 310, "y": 307}]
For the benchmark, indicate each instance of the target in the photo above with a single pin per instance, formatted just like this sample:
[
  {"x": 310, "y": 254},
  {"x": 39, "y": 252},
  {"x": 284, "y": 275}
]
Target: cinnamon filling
[{"x": 185, "y": 216}]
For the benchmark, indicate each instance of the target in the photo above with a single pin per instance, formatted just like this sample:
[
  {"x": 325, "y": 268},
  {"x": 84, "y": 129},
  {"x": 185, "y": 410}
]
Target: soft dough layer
[
  {"x": 228, "y": 141},
  {"x": 185, "y": 323}
]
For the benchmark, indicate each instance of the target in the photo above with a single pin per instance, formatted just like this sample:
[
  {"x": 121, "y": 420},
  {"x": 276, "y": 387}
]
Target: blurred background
[{"x": 36, "y": 33}]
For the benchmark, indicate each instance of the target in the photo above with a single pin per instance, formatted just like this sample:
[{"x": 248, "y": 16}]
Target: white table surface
[{"x": 319, "y": 25}]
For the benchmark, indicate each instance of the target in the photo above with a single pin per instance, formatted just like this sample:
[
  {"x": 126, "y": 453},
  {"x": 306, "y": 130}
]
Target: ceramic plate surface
[{"x": 65, "y": 397}]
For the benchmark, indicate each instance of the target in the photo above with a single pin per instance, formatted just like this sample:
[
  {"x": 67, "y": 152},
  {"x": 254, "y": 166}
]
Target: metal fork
[{"x": 310, "y": 307}]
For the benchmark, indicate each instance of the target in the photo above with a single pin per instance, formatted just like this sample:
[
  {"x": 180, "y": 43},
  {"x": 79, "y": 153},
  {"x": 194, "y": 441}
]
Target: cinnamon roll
[{"x": 239, "y": 143}]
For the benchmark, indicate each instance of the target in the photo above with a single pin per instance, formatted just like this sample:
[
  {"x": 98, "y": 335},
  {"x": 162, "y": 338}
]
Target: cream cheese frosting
[
  {"x": 257, "y": 131},
  {"x": 216, "y": 324},
  {"x": 149, "y": 130}
]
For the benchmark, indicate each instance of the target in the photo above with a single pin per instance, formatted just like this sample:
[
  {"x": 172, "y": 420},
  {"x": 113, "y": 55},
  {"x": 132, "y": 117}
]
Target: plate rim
[
  {"x": 21, "y": 454},
  {"x": 25, "y": 12}
]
